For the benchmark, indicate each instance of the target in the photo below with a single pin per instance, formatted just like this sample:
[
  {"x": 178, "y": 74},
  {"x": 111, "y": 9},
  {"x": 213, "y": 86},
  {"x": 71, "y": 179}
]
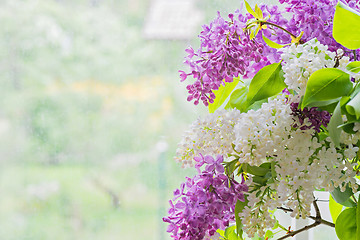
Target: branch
[
  {"x": 323, "y": 221},
  {"x": 317, "y": 211},
  {"x": 291, "y": 234},
  {"x": 318, "y": 220}
]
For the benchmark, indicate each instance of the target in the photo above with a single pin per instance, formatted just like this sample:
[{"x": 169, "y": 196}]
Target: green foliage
[
  {"x": 354, "y": 66},
  {"x": 353, "y": 106},
  {"x": 256, "y": 237},
  {"x": 255, "y": 170},
  {"x": 346, "y": 27},
  {"x": 272, "y": 43},
  {"x": 325, "y": 105},
  {"x": 222, "y": 94},
  {"x": 249, "y": 9},
  {"x": 258, "y": 12},
  {"x": 335, "y": 121},
  {"x": 343, "y": 198},
  {"x": 346, "y": 226},
  {"x": 261, "y": 175},
  {"x": 326, "y": 84},
  {"x": 269, "y": 234},
  {"x": 335, "y": 208},
  {"x": 239, "y": 206},
  {"x": 297, "y": 39},
  {"x": 231, "y": 234},
  {"x": 238, "y": 99},
  {"x": 268, "y": 82}
]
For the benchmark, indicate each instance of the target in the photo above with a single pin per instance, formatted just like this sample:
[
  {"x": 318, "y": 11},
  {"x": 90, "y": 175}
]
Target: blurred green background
[
  {"x": 91, "y": 112},
  {"x": 86, "y": 104}
]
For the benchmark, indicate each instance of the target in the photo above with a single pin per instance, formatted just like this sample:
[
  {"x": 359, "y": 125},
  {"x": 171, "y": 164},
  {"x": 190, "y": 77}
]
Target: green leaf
[
  {"x": 343, "y": 102},
  {"x": 296, "y": 40},
  {"x": 335, "y": 208},
  {"x": 221, "y": 232},
  {"x": 256, "y": 105},
  {"x": 230, "y": 167},
  {"x": 342, "y": 198},
  {"x": 278, "y": 225},
  {"x": 329, "y": 108},
  {"x": 348, "y": 127},
  {"x": 252, "y": 34},
  {"x": 256, "y": 237},
  {"x": 239, "y": 207},
  {"x": 354, "y": 66},
  {"x": 266, "y": 165},
  {"x": 249, "y": 9},
  {"x": 268, "y": 82},
  {"x": 326, "y": 84},
  {"x": 222, "y": 94},
  {"x": 230, "y": 233},
  {"x": 322, "y": 136},
  {"x": 323, "y": 104},
  {"x": 271, "y": 43},
  {"x": 346, "y": 27},
  {"x": 273, "y": 172},
  {"x": 355, "y": 90},
  {"x": 353, "y": 106},
  {"x": 259, "y": 180},
  {"x": 335, "y": 121},
  {"x": 254, "y": 170},
  {"x": 345, "y": 225},
  {"x": 238, "y": 99},
  {"x": 258, "y": 12},
  {"x": 269, "y": 234}
]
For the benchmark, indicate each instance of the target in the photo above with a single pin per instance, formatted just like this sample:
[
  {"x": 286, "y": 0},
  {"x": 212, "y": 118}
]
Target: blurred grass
[{"x": 80, "y": 209}]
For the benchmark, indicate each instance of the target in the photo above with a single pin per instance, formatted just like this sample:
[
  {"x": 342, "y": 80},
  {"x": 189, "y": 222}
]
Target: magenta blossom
[
  {"x": 205, "y": 203},
  {"x": 315, "y": 116},
  {"x": 226, "y": 52}
]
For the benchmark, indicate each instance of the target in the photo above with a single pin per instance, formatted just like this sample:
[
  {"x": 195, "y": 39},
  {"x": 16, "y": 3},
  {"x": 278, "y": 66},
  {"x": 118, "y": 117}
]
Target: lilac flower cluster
[
  {"x": 204, "y": 203},
  {"x": 225, "y": 52},
  {"x": 315, "y": 18},
  {"x": 316, "y": 117},
  {"x": 355, "y": 4}
]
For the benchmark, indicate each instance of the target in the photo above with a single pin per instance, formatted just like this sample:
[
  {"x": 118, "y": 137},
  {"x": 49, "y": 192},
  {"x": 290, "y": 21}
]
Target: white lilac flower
[
  {"x": 303, "y": 60},
  {"x": 211, "y": 135},
  {"x": 259, "y": 133}
]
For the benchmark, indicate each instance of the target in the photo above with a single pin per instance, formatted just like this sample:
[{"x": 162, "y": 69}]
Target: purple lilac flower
[
  {"x": 355, "y": 4},
  {"x": 205, "y": 203},
  {"x": 226, "y": 51},
  {"x": 315, "y": 116},
  {"x": 315, "y": 18}
]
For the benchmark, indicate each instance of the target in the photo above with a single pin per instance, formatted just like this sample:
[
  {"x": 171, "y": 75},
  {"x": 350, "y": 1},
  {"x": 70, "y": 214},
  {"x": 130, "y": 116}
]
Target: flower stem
[
  {"x": 353, "y": 198},
  {"x": 280, "y": 27},
  {"x": 355, "y": 57}
]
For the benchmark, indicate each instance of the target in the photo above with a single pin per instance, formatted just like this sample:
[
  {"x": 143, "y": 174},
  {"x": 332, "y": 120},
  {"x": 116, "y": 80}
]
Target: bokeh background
[{"x": 91, "y": 112}]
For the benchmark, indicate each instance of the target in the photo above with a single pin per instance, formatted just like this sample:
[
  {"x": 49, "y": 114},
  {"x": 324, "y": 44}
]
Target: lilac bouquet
[{"x": 284, "y": 121}]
